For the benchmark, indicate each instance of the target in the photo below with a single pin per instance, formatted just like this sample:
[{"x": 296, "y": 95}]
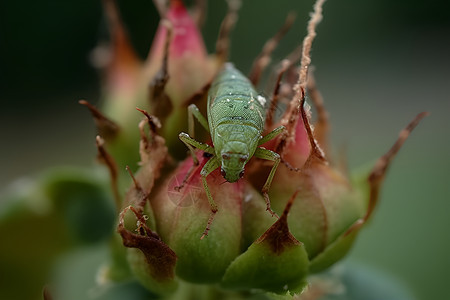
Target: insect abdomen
[{"x": 233, "y": 100}]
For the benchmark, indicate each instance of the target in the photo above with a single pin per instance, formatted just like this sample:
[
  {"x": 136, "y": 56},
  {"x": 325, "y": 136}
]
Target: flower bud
[
  {"x": 183, "y": 215},
  {"x": 189, "y": 67},
  {"x": 179, "y": 66},
  {"x": 122, "y": 89}
]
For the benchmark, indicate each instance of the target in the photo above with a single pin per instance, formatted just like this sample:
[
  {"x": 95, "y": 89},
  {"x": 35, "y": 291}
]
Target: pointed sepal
[{"x": 276, "y": 262}]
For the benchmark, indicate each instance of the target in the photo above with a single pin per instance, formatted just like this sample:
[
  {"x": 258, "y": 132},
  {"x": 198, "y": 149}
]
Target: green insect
[{"x": 236, "y": 116}]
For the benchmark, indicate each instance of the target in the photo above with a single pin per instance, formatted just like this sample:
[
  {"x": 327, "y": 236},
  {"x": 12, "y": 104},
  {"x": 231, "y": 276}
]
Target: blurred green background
[{"x": 378, "y": 63}]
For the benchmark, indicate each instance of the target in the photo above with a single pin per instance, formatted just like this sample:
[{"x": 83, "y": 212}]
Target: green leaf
[
  {"x": 41, "y": 219},
  {"x": 84, "y": 203}
]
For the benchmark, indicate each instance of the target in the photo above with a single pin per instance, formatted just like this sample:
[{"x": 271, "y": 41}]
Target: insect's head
[{"x": 233, "y": 164}]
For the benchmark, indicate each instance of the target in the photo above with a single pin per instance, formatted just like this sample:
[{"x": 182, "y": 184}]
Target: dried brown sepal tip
[
  {"x": 160, "y": 259},
  {"x": 291, "y": 117},
  {"x": 263, "y": 59},
  {"x": 278, "y": 235},
  {"x": 161, "y": 102},
  {"x": 153, "y": 123},
  {"x": 276, "y": 262},
  {"x": 46, "y": 293},
  {"x": 152, "y": 146},
  {"x": 316, "y": 17},
  {"x": 140, "y": 197},
  {"x": 317, "y": 154},
  {"x": 378, "y": 173},
  {"x": 105, "y": 127},
  {"x": 121, "y": 54},
  {"x": 321, "y": 126},
  {"x": 104, "y": 157},
  {"x": 298, "y": 102},
  {"x": 285, "y": 77},
  {"x": 223, "y": 40},
  {"x": 284, "y": 66},
  {"x": 161, "y": 7},
  {"x": 199, "y": 12},
  {"x": 199, "y": 95}
]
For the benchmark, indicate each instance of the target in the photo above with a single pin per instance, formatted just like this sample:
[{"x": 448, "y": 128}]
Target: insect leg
[
  {"x": 191, "y": 143},
  {"x": 275, "y": 157},
  {"x": 271, "y": 135},
  {"x": 210, "y": 166},
  {"x": 193, "y": 111}
]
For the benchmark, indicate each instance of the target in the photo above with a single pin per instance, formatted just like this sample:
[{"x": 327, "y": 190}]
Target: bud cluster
[{"x": 173, "y": 234}]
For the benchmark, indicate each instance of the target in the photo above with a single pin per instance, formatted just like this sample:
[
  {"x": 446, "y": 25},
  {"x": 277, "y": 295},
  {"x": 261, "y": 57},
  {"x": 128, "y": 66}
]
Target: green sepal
[
  {"x": 336, "y": 250},
  {"x": 276, "y": 262},
  {"x": 256, "y": 219}
]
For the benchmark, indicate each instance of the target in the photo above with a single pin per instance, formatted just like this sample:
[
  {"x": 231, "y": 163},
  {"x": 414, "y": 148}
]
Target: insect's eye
[
  {"x": 225, "y": 156},
  {"x": 243, "y": 158},
  {"x": 241, "y": 174},
  {"x": 207, "y": 155},
  {"x": 222, "y": 171}
]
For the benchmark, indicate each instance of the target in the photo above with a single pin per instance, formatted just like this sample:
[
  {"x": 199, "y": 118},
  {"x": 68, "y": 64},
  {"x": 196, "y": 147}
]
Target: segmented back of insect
[{"x": 233, "y": 100}]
